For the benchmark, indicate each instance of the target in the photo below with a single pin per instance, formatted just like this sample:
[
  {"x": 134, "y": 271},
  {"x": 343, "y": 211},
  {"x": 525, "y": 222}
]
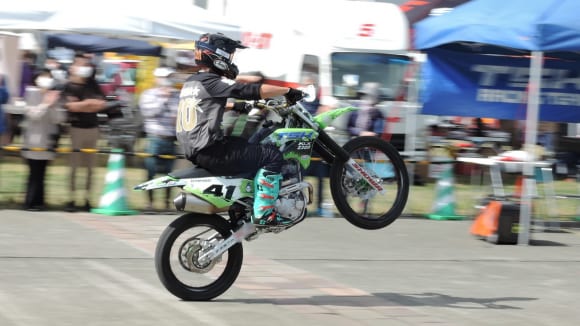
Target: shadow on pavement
[
  {"x": 547, "y": 243},
  {"x": 442, "y": 300},
  {"x": 391, "y": 300},
  {"x": 539, "y": 243}
]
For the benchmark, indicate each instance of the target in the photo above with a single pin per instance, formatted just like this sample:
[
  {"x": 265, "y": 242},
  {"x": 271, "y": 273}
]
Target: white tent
[{"x": 126, "y": 19}]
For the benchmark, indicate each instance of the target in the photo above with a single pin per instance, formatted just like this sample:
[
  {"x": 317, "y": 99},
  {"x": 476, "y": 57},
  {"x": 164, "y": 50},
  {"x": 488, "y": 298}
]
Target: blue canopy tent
[
  {"x": 479, "y": 65},
  {"x": 481, "y": 50}
]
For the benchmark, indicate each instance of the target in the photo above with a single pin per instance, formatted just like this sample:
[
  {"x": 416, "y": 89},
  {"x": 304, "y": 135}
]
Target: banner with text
[{"x": 494, "y": 86}]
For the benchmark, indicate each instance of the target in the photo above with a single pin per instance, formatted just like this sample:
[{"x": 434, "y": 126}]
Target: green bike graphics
[
  {"x": 218, "y": 191},
  {"x": 294, "y": 143}
]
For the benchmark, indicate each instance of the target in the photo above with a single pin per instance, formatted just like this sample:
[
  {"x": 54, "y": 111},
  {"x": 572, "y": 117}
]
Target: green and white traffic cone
[
  {"x": 444, "y": 206},
  {"x": 114, "y": 198}
]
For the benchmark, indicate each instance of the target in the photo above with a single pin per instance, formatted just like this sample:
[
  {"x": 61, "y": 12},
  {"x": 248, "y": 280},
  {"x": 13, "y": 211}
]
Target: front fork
[
  {"x": 354, "y": 166},
  {"x": 330, "y": 151}
]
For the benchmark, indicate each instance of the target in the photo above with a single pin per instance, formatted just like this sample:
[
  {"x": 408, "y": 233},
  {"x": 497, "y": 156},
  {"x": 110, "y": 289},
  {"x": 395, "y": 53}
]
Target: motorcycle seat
[{"x": 197, "y": 172}]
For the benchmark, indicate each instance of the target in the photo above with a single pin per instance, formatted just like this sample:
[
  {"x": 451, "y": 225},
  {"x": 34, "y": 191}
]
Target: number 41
[{"x": 217, "y": 190}]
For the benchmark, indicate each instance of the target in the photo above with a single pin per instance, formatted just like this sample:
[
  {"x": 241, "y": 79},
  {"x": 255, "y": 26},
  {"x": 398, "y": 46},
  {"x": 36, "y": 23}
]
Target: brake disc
[{"x": 190, "y": 252}]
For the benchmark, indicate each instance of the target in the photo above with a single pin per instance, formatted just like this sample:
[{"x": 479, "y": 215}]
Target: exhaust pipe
[{"x": 190, "y": 203}]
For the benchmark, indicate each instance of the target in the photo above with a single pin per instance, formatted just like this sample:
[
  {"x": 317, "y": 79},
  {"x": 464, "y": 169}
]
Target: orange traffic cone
[{"x": 486, "y": 223}]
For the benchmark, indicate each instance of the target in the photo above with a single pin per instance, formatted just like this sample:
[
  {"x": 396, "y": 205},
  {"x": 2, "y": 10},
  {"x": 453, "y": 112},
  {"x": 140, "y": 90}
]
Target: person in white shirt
[{"x": 158, "y": 106}]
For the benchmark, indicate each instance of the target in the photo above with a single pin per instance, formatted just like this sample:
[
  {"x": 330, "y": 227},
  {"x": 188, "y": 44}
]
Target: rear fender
[
  {"x": 161, "y": 182},
  {"x": 219, "y": 191}
]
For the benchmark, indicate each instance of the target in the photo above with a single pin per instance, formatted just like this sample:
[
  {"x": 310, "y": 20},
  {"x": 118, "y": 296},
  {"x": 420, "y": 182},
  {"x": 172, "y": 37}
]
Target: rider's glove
[
  {"x": 294, "y": 96},
  {"x": 242, "y": 107}
]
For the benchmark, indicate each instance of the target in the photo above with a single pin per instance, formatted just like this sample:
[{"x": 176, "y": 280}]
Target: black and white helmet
[{"x": 216, "y": 51}]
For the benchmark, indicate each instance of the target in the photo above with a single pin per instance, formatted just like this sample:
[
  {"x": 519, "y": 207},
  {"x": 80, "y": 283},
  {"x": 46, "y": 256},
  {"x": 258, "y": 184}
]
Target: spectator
[
  {"x": 478, "y": 129},
  {"x": 41, "y": 120},
  {"x": 56, "y": 70},
  {"x": 547, "y": 132},
  {"x": 159, "y": 108},
  {"x": 4, "y": 97},
  {"x": 27, "y": 72},
  {"x": 317, "y": 168},
  {"x": 60, "y": 77},
  {"x": 368, "y": 120},
  {"x": 312, "y": 106},
  {"x": 83, "y": 99}
]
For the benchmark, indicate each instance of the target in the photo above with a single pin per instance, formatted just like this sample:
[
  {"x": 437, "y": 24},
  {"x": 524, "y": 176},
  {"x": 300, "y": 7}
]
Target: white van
[{"x": 357, "y": 42}]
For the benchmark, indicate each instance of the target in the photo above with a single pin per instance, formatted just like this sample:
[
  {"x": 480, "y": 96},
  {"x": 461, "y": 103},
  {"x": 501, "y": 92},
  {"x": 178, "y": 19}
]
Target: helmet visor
[{"x": 224, "y": 55}]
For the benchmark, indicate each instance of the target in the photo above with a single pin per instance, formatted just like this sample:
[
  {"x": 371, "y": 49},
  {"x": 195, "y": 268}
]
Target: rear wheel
[
  {"x": 178, "y": 253},
  {"x": 359, "y": 202}
]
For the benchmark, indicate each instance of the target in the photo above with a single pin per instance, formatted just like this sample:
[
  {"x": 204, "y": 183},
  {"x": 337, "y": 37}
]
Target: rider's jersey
[{"x": 202, "y": 104}]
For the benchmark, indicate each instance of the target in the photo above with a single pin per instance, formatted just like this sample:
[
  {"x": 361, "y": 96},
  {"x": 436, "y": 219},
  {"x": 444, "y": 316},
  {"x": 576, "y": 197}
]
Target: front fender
[{"x": 325, "y": 118}]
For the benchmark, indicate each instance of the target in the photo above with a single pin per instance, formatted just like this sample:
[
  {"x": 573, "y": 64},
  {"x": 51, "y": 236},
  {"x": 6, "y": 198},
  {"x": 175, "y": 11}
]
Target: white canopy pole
[{"x": 532, "y": 114}]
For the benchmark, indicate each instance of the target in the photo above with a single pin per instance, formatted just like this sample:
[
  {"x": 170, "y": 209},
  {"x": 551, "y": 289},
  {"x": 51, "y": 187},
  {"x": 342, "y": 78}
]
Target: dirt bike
[{"x": 199, "y": 255}]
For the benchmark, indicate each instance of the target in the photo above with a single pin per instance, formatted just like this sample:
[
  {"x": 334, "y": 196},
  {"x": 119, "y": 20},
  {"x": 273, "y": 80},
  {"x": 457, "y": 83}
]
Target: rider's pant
[{"x": 235, "y": 155}]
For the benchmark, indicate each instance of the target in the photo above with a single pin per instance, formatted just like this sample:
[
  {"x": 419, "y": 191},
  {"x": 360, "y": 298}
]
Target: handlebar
[
  {"x": 268, "y": 106},
  {"x": 284, "y": 109},
  {"x": 278, "y": 105}
]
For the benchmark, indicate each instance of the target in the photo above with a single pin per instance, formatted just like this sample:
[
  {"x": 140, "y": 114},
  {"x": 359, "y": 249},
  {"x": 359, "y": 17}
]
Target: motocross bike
[{"x": 199, "y": 255}]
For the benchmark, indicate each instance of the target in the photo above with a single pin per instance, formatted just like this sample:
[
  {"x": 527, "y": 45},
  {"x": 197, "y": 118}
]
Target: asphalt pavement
[{"x": 85, "y": 269}]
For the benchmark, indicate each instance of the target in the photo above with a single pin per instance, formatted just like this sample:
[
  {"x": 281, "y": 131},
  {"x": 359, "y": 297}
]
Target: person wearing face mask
[
  {"x": 83, "y": 98},
  {"x": 369, "y": 120},
  {"x": 40, "y": 128},
  {"x": 58, "y": 74},
  {"x": 158, "y": 106}
]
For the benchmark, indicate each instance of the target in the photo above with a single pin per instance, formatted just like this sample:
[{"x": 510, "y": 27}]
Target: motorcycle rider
[{"x": 202, "y": 104}]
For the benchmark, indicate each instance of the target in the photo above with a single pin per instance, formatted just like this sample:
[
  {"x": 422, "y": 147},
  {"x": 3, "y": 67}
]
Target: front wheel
[
  {"x": 355, "y": 198},
  {"x": 178, "y": 263}
]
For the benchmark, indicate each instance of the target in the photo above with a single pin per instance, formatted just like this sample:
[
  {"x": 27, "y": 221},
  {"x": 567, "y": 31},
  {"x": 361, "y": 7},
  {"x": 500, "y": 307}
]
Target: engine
[
  {"x": 293, "y": 201},
  {"x": 293, "y": 198},
  {"x": 291, "y": 170}
]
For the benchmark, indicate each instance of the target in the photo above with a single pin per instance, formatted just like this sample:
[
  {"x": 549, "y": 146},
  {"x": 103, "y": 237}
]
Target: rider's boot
[{"x": 266, "y": 189}]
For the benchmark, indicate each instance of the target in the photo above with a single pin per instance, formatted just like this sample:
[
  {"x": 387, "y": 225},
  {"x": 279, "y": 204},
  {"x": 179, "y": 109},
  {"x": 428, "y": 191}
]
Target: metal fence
[{"x": 467, "y": 191}]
